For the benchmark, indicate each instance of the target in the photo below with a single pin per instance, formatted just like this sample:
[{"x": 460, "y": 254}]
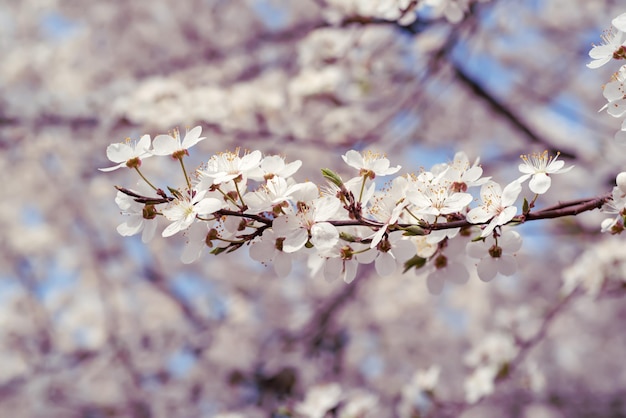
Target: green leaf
[
  {"x": 415, "y": 262},
  {"x": 175, "y": 192},
  {"x": 414, "y": 230},
  {"x": 525, "y": 207},
  {"x": 218, "y": 250},
  {"x": 333, "y": 177}
]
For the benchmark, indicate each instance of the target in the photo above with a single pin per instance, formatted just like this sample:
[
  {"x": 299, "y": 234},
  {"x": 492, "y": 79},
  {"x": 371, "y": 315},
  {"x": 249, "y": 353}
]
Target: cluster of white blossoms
[
  {"x": 249, "y": 199},
  {"x": 613, "y": 48},
  {"x": 404, "y": 11}
]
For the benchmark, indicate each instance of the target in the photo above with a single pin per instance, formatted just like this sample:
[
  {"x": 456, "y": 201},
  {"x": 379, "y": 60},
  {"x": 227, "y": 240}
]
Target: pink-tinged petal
[
  {"x": 540, "y": 183},
  {"x": 378, "y": 236},
  {"x": 249, "y": 161},
  {"x": 149, "y": 230},
  {"x": 349, "y": 273},
  {"x": 273, "y": 164},
  {"x": 620, "y": 22},
  {"x": 403, "y": 249},
  {"x": 120, "y": 152},
  {"x": 490, "y": 227},
  {"x": 131, "y": 227},
  {"x": 506, "y": 215},
  {"x": 477, "y": 249},
  {"x": 510, "y": 241},
  {"x": 208, "y": 205},
  {"x": 192, "y": 137},
  {"x": 171, "y": 229},
  {"x": 324, "y": 236},
  {"x": 354, "y": 159},
  {"x": 598, "y": 62},
  {"x": 165, "y": 145},
  {"x": 456, "y": 202},
  {"x": 489, "y": 190},
  {"x": 290, "y": 169},
  {"x": 526, "y": 169},
  {"x": 385, "y": 264},
  {"x": 326, "y": 208},
  {"x": 435, "y": 282},
  {"x": 620, "y": 181},
  {"x": 507, "y": 265},
  {"x": 523, "y": 178},
  {"x": 333, "y": 268},
  {"x": 601, "y": 52},
  {"x": 510, "y": 193},
  {"x": 295, "y": 240},
  {"x": 617, "y": 108},
  {"x": 479, "y": 215},
  {"x": 262, "y": 251},
  {"x": 195, "y": 243},
  {"x": 554, "y": 166},
  {"x": 367, "y": 256},
  {"x": 613, "y": 91},
  {"x": 282, "y": 264},
  {"x": 142, "y": 146},
  {"x": 283, "y": 225},
  {"x": 487, "y": 269},
  {"x": 107, "y": 169}
]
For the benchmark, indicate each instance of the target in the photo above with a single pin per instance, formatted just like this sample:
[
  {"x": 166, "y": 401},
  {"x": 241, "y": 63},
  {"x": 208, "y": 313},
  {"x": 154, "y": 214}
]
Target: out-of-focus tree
[{"x": 99, "y": 325}]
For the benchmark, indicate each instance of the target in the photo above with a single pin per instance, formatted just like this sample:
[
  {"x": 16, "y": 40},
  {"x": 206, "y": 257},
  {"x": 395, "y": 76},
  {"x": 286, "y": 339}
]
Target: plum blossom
[
  {"x": 387, "y": 208},
  {"x": 137, "y": 222},
  {"x": 268, "y": 249},
  {"x": 447, "y": 268},
  {"x": 128, "y": 154},
  {"x": 389, "y": 252},
  {"x": 497, "y": 205},
  {"x": 172, "y": 144},
  {"x": 309, "y": 224},
  {"x": 276, "y": 191},
  {"x": 496, "y": 258},
  {"x": 460, "y": 173},
  {"x": 539, "y": 167},
  {"x": 228, "y": 166},
  {"x": 274, "y": 165},
  {"x": 480, "y": 383},
  {"x": 183, "y": 211},
  {"x": 319, "y": 400},
  {"x": 617, "y": 206},
  {"x": 433, "y": 195},
  {"x": 369, "y": 164},
  {"x": 612, "y": 44}
]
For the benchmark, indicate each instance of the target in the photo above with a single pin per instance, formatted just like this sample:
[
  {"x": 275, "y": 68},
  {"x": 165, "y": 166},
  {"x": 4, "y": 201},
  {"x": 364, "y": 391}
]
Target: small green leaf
[
  {"x": 218, "y": 250},
  {"x": 415, "y": 262},
  {"x": 175, "y": 192},
  {"x": 414, "y": 230},
  {"x": 525, "y": 207},
  {"x": 333, "y": 177}
]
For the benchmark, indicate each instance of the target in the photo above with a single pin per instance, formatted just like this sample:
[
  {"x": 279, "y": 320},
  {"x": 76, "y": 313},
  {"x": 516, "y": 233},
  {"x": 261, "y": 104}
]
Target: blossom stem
[
  {"x": 243, "y": 204},
  {"x": 144, "y": 178},
  {"x": 185, "y": 172},
  {"x": 362, "y": 187}
]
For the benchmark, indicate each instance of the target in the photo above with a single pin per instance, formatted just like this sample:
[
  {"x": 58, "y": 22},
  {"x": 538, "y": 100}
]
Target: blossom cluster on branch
[{"x": 249, "y": 199}]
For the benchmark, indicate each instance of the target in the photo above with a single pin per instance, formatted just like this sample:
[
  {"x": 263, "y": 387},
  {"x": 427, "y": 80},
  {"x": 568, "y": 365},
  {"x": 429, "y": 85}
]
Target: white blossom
[
  {"x": 495, "y": 257},
  {"x": 183, "y": 212},
  {"x": 539, "y": 167},
  {"x": 497, "y": 205},
  {"x": 128, "y": 154},
  {"x": 369, "y": 163},
  {"x": 171, "y": 144}
]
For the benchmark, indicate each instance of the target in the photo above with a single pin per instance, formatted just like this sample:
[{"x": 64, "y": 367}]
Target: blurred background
[{"x": 98, "y": 325}]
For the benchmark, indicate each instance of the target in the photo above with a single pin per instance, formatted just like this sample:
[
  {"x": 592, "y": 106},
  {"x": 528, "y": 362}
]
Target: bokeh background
[{"x": 94, "y": 325}]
